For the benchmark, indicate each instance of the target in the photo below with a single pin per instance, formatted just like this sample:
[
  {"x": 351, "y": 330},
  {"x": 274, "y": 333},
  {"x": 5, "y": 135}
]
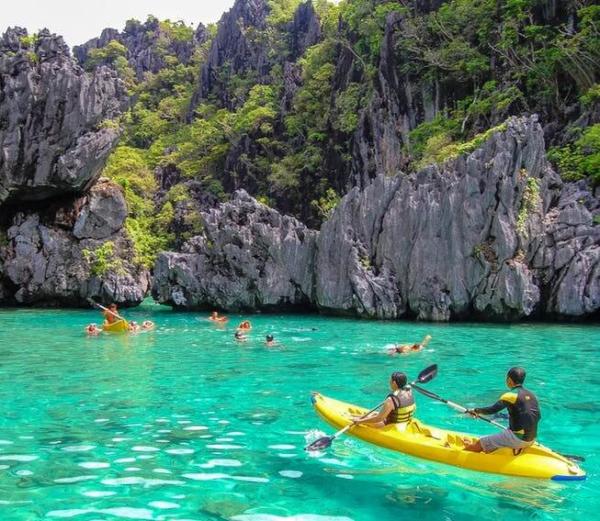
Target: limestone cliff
[{"x": 493, "y": 234}]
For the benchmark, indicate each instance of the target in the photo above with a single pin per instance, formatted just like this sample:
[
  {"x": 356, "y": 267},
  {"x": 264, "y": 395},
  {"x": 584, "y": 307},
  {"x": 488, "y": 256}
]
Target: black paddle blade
[
  {"x": 573, "y": 457},
  {"x": 320, "y": 444},
  {"x": 428, "y": 374}
]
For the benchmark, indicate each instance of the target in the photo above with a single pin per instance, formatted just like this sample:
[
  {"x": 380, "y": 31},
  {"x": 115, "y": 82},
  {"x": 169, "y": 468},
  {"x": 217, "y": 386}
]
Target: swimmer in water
[
  {"x": 410, "y": 348},
  {"x": 93, "y": 330}
]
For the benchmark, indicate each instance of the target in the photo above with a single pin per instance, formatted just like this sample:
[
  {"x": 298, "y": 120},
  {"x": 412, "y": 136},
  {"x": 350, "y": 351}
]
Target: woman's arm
[{"x": 380, "y": 416}]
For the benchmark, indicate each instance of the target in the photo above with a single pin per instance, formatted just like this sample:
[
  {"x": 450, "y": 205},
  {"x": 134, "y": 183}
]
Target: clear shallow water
[{"x": 183, "y": 423}]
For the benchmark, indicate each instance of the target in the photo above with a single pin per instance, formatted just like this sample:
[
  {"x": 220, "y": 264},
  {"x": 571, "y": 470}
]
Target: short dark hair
[
  {"x": 269, "y": 338},
  {"x": 516, "y": 374},
  {"x": 399, "y": 378}
]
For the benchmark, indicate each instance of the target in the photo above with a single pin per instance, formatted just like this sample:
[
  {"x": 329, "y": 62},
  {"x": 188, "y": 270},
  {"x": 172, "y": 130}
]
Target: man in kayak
[
  {"x": 524, "y": 415},
  {"x": 398, "y": 407}
]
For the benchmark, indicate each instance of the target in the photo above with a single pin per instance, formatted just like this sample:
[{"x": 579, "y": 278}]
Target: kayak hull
[
  {"x": 443, "y": 446},
  {"x": 120, "y": 326}
]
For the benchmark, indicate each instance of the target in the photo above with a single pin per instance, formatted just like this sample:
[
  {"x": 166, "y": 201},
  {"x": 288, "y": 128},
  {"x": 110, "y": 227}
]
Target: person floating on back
[
  {"x": 410, "y": 348},
  {"x": 214, "y": 317},
  {"x": 524, "y": 415},
  {"x": 398, "y": 407}
]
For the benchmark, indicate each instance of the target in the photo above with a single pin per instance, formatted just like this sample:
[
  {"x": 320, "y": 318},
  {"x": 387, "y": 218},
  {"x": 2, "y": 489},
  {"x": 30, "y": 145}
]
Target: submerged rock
[{"x": 72, "y": 251}]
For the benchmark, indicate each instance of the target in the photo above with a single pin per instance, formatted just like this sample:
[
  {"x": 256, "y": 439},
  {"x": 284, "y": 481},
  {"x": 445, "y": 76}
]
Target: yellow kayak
[
  {"x": 120, "y": 326},
  {"x": 423, "y": 441}
]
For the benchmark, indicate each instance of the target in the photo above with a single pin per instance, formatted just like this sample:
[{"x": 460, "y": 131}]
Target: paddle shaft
[
  {"x": 105, "y": 309},
  {"x": 460, "y": 408},
  {"x": 342, "y": 431},
  {"x": 456, "y": 406}
]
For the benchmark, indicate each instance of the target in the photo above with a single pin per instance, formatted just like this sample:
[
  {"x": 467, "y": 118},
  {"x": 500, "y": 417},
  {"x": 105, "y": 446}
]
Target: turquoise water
[{"x": 185, "y": 424}]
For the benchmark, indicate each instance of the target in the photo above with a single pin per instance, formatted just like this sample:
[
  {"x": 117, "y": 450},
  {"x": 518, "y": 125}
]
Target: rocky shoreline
[{"x": 493, "y": 234}]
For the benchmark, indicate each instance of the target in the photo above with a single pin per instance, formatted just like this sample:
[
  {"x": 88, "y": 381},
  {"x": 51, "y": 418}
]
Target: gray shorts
[{"x": 506, "y": 438}]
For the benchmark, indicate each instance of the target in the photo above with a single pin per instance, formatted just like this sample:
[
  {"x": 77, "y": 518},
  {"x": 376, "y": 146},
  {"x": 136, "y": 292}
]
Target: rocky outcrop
[
  {"x": 304, "y": 30},
  {"x": 148, "y": 44},
  {"x": 70, "y": 251},
  {"x": 239, "y": 49},
  {"x": 52, "y": 133},
  {"x": 237, "y": 45},
  {"x": 480, "y": 236},
  {"x": 490, "y": 235},
  {"x": 248, "y": 257}
]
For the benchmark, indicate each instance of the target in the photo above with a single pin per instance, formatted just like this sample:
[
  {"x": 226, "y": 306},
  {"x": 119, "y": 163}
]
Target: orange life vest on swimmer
[{"x": 404, "y": 406}]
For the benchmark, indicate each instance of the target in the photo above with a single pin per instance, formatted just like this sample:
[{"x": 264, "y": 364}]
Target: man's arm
[{"x": 505, "y": 400}]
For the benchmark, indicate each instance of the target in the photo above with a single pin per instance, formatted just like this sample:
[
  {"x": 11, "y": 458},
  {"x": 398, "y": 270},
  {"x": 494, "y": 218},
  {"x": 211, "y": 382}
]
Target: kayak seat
[
  {"x": 455, "y": 441},
  {"x": 419, "y": 428}
]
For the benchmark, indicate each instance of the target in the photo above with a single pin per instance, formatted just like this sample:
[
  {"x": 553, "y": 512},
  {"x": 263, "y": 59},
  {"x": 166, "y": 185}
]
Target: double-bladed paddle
[
  {"x": 463, "y": 409},
  {"x": 100, "y": 306},
  {"x": 322, "y": 443}
]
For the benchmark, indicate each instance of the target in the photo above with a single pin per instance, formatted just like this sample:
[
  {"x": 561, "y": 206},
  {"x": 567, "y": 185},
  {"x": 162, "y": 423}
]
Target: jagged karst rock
[
  {"x": 48, "y": 255},
  {"x": 494, "y": 234},
  {"x": 237, "y": 45},
  {"x": 248, "y": 257},
  {"x": 304, "y": 30},
  {"x": 52, "y": 136},
  {"x": 569, "y": 259},
  {"x": 145, "y": 43},
  {"x": 239, "y": 49}
]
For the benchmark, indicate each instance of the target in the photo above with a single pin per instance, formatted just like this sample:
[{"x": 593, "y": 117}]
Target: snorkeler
[{"x": 240, "y": 337}]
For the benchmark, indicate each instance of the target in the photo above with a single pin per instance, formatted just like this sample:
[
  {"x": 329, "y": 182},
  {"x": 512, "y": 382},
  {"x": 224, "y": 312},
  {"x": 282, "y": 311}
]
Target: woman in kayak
[
  {"x": 111, "y": 315},
  {"x": 398, "y": 407},
  {"x": 523, "y": 412},
  {"x": 408, "y": 348}
]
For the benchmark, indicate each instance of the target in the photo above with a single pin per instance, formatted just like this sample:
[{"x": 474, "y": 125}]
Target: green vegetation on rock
[{"x": 287, "y": 124}]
